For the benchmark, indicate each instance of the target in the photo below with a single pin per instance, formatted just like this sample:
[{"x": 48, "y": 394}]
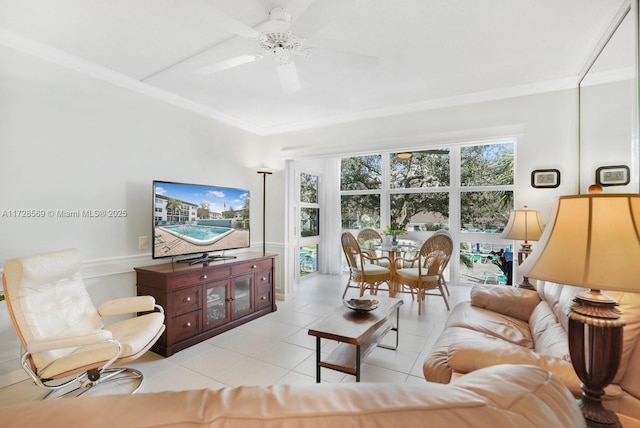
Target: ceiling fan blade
[
  {"x": 348, "y": 59},
  {"x": 289, "y": 79},
  {"x": 233, "y": 25},
  {"x": 317, "y": 15},
  {"x": 228, "y": 63}
]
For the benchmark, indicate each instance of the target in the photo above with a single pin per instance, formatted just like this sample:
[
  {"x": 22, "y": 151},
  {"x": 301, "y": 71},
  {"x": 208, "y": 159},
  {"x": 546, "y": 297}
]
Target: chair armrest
[
  {"x": 515, "y": 302},
  {"x": 400, "y": 261},
  {"x": 375, "y": 259},
  {"x": 474, "y": 355},
  {"x": 127, "y": 305},
  {"x": 83, "y": 338}
]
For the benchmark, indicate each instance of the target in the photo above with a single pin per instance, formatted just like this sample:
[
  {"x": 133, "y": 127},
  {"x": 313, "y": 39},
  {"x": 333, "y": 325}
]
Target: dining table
[{"x": 394, "y": 252}]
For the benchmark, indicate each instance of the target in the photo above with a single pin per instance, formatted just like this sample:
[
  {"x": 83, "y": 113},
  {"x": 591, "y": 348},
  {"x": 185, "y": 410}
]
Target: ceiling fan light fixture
[{"x": 279, "y": 14}]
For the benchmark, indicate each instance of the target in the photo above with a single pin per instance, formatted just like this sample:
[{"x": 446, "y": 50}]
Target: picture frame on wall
[
  {"x": 545, "y": 178},
  {"x": 614, "y": 175}
]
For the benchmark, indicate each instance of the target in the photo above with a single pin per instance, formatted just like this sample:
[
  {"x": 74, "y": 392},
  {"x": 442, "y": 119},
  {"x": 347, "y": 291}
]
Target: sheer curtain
[{"x": 330, "y": 250}]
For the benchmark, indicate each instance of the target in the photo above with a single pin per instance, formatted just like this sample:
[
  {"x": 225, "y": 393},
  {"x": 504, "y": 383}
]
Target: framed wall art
[
  {"x": 545, "y": 178},
  {"x": 615, "y": 175}
]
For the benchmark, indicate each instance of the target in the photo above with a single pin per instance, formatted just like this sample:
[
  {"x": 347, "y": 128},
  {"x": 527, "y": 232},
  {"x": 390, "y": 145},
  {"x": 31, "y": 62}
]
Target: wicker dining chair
[
  {"x": 364, "y": 271},
  {"x": 445, "y": 262},
  {"x": 423, "y": 275},
  {"x": 371, "y": 236}
]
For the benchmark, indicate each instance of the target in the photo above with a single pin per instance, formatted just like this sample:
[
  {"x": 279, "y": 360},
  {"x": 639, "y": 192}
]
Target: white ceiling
[{"x": 430, "y": 53}]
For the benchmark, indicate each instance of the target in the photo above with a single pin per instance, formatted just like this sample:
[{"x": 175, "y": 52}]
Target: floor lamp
[
  {"x": 264, "y": 173},
  {"x": 592, "y": 241},
  {"x": 524, "y": 225}
]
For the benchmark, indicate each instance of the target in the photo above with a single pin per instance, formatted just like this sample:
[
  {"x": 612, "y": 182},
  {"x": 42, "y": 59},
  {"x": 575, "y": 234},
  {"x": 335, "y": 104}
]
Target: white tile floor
[{"x": 277, "y": 349}]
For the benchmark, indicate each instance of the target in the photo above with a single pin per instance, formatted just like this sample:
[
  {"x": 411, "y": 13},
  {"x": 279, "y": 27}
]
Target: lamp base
[
  {"x": 595, "y": 346},
  {"x": 526, "y": 284}
]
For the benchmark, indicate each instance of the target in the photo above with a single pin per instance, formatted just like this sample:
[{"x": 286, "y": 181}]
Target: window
[
  {"x": 486, "y": 200},
  {"x": 308, "y": 259},
  {"x": 428, "y": 168},
  {"x": 486, "y": 196},
  {"x": 308, "y": 188},
  {"x": 309, "y": 207},
  {"x": 309, "y": 223},
  {"x": 415, "y": 191},
  {"x": 360, "y": 211},
  {"x": 361, "y": 185},
  {"x": 361, "y": 173},
  {"x": 420, "y": 211}
]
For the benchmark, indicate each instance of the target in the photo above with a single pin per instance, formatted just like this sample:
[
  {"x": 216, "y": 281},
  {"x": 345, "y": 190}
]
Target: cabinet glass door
[
  {"x": 217, "y": 312},
  {"x": 242, "y": 295}
]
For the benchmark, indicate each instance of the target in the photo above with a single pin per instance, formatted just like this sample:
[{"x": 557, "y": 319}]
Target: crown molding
[{"x": 72, "y": 62}]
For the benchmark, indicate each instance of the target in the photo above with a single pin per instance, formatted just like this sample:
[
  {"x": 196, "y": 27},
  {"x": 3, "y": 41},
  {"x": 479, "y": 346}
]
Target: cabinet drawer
[
  {"x": 251, "y": 266},
  {"x": 263, "y": 297},
  {"x": 186, "y": 326},
  {"x": 186, "y": 300},
  {"x": 200, "y": 277},
  {"x": 264, "y": 277}
]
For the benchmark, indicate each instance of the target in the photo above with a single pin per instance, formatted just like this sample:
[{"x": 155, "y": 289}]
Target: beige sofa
[
  {"x": 516, "y": 326},
  {"x": 500, "y": 396}
]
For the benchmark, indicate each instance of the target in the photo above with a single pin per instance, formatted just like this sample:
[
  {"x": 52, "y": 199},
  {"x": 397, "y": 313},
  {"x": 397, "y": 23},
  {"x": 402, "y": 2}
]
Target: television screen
[{"x": 198, "y": 219}]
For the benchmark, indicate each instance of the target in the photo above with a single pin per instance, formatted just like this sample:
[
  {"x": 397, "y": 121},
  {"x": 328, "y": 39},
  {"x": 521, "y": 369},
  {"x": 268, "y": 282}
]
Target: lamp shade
[
  {"x": 523, "y": 225},
  {"x": 590, "y": 241}
]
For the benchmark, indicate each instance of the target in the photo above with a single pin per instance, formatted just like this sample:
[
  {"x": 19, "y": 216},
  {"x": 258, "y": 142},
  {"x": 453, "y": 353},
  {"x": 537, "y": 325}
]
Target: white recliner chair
[{"x": 68, "y": 348}]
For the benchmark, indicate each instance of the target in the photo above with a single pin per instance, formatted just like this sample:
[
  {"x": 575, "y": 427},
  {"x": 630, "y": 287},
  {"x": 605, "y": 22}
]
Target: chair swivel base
[{"x": 92, "y": 379}]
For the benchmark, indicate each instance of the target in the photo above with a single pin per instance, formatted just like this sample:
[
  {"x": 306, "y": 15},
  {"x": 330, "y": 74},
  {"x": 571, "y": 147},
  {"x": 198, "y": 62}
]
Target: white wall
[
  {"x": 69, "y": 141},
  {"x": 72, "y": 142},
  {"x": 607, "y": 132}
]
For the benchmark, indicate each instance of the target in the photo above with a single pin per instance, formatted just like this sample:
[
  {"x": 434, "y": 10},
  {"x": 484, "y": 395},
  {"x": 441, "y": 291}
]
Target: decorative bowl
[{"x": 361, "y": 304}]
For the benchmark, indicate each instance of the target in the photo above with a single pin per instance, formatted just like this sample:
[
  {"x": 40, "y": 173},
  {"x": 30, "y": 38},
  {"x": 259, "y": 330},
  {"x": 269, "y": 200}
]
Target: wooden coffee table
[{"x": 358, "y": 332}]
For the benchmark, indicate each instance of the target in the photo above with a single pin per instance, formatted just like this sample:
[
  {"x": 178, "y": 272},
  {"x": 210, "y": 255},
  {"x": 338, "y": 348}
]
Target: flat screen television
[{"x": 199, "y": 220}]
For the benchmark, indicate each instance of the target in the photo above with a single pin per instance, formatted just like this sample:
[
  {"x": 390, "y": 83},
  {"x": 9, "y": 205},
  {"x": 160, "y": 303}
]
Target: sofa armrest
[
  {"x": 514, "y": 302},
  {"x": 474, "y": 355},
  {"x": 127, "y": 305}
]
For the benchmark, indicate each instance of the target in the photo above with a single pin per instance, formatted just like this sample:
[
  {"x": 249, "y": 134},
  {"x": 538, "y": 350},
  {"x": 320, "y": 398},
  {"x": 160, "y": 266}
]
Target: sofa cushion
[
  {"x": 514, "y": 302},
  {"x": 471, "y": 355},
  {"x": 628, "y": 375},
  {"x": 559, "y": 298},
  {"x": 548, "y": 335},
  {"x": 436, "y": 367},
  {"x": 491, "y": 323},
  {"x": 468, "y": 323},
  {"x": 498, "y": 397}
]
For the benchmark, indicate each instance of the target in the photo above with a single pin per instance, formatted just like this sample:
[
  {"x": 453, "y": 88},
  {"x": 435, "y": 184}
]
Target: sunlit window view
[
  {"x": 360, "y": 211},
  {"x": 309, "y": 224},
  {"x": 414, "y": 192},
  {"x": 308, "y": 259}
]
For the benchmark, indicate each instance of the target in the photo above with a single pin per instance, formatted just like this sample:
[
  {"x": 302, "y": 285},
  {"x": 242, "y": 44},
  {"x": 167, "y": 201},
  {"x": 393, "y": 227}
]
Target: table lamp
[
  {"x": 524, "y": 225},
  {"x": 592, "y": 241}
]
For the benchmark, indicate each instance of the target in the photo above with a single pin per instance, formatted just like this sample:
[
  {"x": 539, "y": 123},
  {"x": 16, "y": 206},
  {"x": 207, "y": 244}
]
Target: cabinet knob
[
  {"x": 187, "y": 299},
  {"x": 203, "y": 276},
  {"x": 263, "y": 298},
  {"x": 187, "y": 324},
  {"x": 254, "y": 266},
  {"x": 264, "y": 278}
]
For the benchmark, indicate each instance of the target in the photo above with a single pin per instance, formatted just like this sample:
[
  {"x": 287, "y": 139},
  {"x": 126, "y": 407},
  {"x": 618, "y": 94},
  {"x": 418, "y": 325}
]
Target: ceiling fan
[{"x": 281, "y": 38}]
